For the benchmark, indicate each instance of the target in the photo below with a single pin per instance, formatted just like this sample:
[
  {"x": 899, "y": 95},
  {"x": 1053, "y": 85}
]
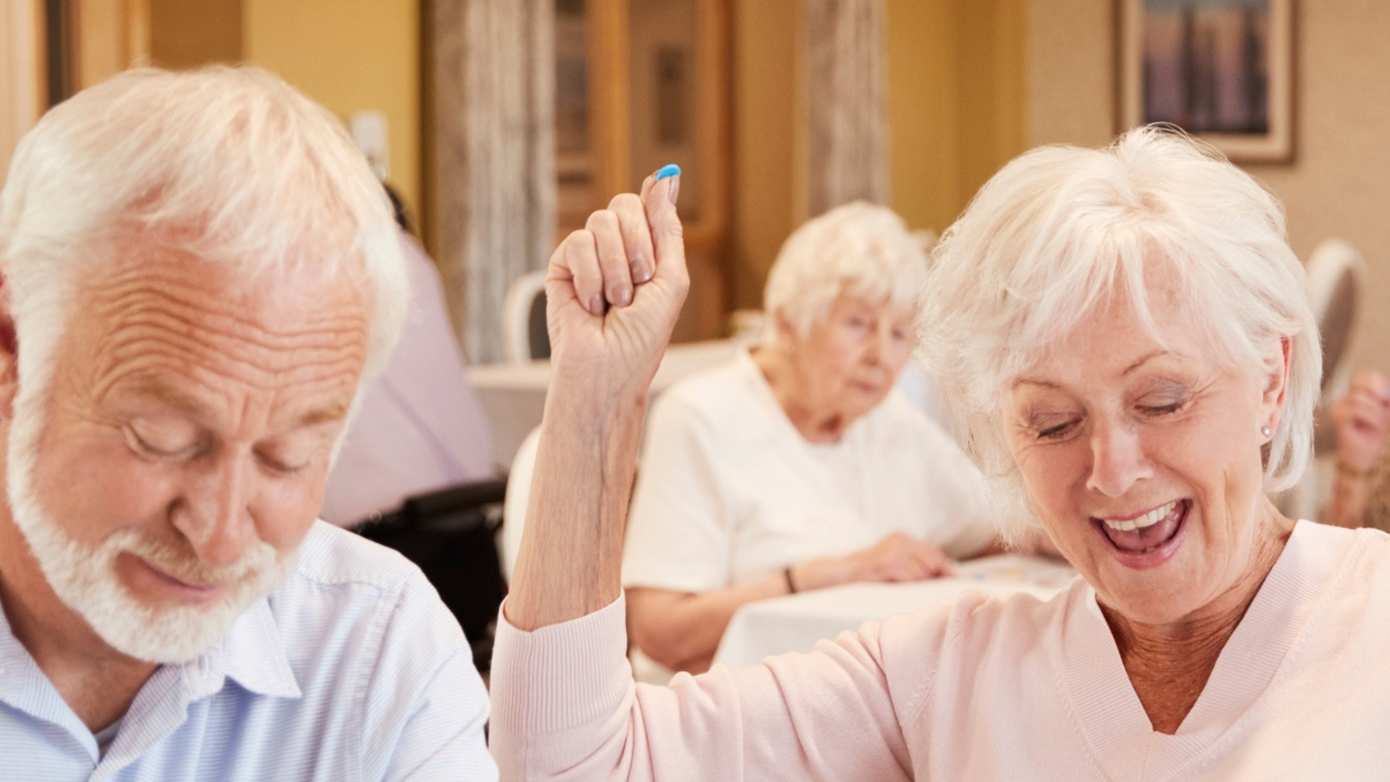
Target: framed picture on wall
[{"x": 1223, "y": 70}]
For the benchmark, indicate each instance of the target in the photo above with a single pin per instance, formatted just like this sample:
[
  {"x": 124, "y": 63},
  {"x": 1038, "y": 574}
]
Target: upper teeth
[{"x": 1140, "y": 522}]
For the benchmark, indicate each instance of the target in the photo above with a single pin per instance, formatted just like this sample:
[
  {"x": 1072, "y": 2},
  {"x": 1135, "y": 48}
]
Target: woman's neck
[
  {"x": 1169, "y": 664},
  {"x": 793, "y": 393}
]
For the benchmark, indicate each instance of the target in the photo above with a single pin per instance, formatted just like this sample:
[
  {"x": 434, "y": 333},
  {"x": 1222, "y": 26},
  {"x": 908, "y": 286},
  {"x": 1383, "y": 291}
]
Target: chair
[
  {"x": 518, "y": 496},
  {"x": 524, "y": 334},
  {"x": 450, "y": 535},
  {"x": 1335, "y": 274}
]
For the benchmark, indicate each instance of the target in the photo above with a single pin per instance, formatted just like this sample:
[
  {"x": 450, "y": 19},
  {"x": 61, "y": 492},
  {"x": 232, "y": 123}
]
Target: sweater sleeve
[{"x": 565, "y": 707}]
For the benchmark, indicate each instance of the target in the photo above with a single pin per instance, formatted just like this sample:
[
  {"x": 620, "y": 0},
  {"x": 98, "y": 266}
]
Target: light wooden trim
[
  {"x": 712, "y": 123},
  {"x": 137, "y": 44},
  {"x": 109, "y": 36},
  {"x": 23, "y": 88}
]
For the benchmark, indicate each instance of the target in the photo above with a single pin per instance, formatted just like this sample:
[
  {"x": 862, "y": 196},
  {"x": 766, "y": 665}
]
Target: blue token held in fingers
[{"x": 668, "y": 170}]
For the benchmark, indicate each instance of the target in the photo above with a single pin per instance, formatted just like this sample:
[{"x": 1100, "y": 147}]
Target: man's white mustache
[{"x": 185, "y": 566}]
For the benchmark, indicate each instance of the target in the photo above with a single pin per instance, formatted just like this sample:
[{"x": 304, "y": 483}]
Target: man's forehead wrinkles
[
  {"x": 151, "y": 374},
  {"x": 261, "y": 366},
  {"x": 222, "y": 333},
  {"x": 195, "y": 308}
]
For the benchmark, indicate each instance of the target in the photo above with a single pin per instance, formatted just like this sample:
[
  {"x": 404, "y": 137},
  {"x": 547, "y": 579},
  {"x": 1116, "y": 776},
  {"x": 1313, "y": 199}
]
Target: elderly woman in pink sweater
[{"x": 1125, "y": 334}]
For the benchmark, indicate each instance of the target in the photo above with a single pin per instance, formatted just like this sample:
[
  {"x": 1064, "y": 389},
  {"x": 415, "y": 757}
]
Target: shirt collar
[{"x": 253, "y": 654}]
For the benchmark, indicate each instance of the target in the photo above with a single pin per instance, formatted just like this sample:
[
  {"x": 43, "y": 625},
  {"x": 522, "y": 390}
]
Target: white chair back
[
  {"x": 1335, "y": 275},
  {"x": 518, "y": 497},
  {"x": 519, "y": 320}
]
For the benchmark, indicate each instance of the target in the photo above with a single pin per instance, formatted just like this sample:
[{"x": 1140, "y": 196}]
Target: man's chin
[{"x": 164, "y": 634}]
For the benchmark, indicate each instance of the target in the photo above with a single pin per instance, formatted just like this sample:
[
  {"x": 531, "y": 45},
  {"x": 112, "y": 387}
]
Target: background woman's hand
[
  {"x": 898, "y": 557},
  {"x": 1362, "y": 421},
  {"x": 613, "y": 292}
]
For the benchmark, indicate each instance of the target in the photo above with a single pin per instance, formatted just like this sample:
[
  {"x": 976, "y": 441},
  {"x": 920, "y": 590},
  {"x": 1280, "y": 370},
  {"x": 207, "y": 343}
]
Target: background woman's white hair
[
  {"x": 228, "y": 164},
  {"x": 1061, "y": 229},
  {"x": 858, "y": 249}
]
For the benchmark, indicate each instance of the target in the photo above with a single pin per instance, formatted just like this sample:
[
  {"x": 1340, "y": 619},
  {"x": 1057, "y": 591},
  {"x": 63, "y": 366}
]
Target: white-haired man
[{"x": 198, "y": 271}]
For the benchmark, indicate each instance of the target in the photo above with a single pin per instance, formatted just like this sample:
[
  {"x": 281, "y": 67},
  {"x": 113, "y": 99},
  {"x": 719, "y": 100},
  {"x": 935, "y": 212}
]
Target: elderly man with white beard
[{"x": 199, "y": 270}]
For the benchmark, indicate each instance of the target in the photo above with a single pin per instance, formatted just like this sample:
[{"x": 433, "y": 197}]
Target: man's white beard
[{"x": 84, "y": 576}]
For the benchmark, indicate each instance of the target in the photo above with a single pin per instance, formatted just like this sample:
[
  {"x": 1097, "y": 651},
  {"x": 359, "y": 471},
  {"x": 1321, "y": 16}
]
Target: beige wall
[
  {"x": 349, "y": 55},
  {"x": 955, "y": 86},
  {"x": 1339, "y": 183}
]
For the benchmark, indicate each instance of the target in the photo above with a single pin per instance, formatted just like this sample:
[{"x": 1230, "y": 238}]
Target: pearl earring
[{"x": 1264, "y": 430}]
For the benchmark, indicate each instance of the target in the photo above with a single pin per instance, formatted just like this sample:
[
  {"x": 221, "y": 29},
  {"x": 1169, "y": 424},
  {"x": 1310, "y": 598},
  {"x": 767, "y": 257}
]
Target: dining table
[{"x": 796, "y": 622}]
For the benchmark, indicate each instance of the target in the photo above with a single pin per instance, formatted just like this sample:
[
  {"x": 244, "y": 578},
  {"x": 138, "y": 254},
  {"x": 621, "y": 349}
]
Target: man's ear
[
  {"x": 786, "y": 333},
  {"x": 9, "y": 356}
]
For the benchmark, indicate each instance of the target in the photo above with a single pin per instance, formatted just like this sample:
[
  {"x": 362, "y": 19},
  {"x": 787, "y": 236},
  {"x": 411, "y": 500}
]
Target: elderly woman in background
[
  {"x": 1126, "y": 334},
  {"x": 798, "y": 466}
]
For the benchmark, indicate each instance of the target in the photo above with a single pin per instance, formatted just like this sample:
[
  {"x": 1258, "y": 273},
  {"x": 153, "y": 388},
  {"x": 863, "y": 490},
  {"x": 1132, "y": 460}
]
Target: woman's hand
[
  {"x": 898, "y": 557},
  {"x": 613, "y": 292},
  {"x": 1362, "y": 421}
]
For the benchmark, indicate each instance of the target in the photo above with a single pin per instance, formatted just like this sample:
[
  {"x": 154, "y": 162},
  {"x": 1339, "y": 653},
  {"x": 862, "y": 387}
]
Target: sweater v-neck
[{"x": 1113, "y": 719}]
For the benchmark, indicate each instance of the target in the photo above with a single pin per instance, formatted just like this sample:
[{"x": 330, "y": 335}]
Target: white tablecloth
[
  {"x": 796, "y": 622},
  {"x": 513, "y": 395}
]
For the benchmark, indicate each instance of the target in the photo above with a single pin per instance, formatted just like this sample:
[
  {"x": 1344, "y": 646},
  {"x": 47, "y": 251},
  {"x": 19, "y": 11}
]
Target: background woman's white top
[{"x": 729, "y": 490}]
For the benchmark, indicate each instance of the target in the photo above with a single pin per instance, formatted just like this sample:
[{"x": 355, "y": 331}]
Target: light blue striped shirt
[{"x": 352, "y": 669}]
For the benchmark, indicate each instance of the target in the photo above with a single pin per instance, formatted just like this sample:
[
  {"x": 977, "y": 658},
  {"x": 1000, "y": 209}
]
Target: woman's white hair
[
  {"x": 1060, "y": 230},
  {"x": 858, "y": 249},
  {"x": 231, "y": 165}
]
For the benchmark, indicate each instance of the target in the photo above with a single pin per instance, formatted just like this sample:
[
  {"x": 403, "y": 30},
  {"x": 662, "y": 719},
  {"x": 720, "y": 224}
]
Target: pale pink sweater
[{"x": 1011, "y": 689}]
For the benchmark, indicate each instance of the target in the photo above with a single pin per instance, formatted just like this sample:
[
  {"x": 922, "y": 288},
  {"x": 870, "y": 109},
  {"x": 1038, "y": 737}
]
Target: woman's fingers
[
  {"x": 1368, "y": 413},
  {"x": 581, "y": 259},
  {"x": 636, "y": 235},
  {"x": 612, "y": 257},
  {"x": 933, "y": 560}
]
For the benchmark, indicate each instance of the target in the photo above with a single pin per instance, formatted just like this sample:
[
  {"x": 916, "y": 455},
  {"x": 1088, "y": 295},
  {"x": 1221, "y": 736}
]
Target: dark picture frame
[{"x": 1223, "y": 70}]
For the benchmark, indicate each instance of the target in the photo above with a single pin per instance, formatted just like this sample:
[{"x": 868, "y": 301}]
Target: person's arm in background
[
  {"x": 682, "y": 631},
  {"x": 564, "y": 704},
  {"x": 1362, "y": 422}
]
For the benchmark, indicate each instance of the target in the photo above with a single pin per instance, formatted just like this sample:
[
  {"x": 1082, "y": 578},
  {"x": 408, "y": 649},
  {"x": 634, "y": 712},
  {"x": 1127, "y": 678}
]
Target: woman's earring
[{"x": 1264, "y": 430}]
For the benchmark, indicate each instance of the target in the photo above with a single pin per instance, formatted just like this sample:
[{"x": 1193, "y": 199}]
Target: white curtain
[
  {"x": 847, "y": 140},
  {"x": 492, "y": 173}
]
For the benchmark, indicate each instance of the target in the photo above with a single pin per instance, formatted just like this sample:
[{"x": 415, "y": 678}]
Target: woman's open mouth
[{"x": 1148, "y": 539}]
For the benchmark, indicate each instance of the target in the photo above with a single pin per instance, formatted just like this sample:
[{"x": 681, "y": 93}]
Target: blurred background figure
[
  {"x": 419, "y": 428},
  {"x": 798, "y": 465},
  {"x": 1360, "y": 495},
  {"x": 413, "y": 470}
]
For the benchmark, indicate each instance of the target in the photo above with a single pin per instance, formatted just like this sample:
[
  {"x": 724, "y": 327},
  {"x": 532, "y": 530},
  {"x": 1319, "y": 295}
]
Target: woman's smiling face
[{"x": 1143, "y": 460}]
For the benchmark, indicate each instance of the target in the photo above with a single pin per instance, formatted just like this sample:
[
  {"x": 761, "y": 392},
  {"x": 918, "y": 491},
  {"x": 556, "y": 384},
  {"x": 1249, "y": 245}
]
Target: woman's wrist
[{"x": 820, "y": 573}]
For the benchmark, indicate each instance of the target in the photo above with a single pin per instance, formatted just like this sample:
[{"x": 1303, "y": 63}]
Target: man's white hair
[
  {"x": 858, "y": 249},
  {"x": 1060, "y": 230},
  {"x": 227, "y": 164}
]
